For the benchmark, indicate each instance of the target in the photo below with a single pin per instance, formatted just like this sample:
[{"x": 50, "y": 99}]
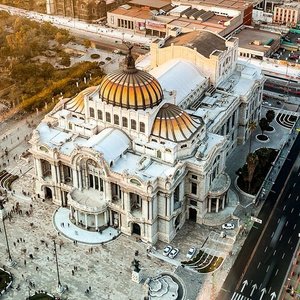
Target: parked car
[
  {"x": 294, "y": 56},
  {"x": 228, "y": 226},
  {"x": 167, "y": 250},
  {"x": 173, "y": 253},
  {"x": 191, "y": 252}
]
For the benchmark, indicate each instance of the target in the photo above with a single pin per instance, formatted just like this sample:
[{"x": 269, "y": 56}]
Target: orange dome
[
  {"x": 131, "y": 88},
  {"x": 174, "y": 124}
]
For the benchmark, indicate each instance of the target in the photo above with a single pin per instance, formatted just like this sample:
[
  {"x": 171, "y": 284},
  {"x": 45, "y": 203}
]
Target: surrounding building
[
  {"x": 144, "y": 151},
  {"x": 37, "y": 5},
  {"x": 82, "y": 9},
  {"x": 163, "y": 20},
  {"x": 287, "y": 14},
  {"x": 254, "y": 43}
]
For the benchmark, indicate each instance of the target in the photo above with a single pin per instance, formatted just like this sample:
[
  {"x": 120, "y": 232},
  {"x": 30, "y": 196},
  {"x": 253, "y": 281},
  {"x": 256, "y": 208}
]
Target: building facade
[
  {"x": 287, "y": 14},
  {"x": 144, "y": 151},
  {"x": 81, "y": 9}
]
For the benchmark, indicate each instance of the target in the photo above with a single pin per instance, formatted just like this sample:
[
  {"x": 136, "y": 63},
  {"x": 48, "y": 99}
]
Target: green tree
[
  {"x": 252, "y": 162},
  {"x": 263, "y": 124},
  {"x": 252, "y": 126},
  {"x": 270, "y": 115}
]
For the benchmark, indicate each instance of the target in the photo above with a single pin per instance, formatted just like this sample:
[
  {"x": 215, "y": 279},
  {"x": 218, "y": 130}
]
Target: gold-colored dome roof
[
  {"x": 174, "y": 124},
  {"x": 76, "y": 104},
  {"x": 131, "y": 88}
]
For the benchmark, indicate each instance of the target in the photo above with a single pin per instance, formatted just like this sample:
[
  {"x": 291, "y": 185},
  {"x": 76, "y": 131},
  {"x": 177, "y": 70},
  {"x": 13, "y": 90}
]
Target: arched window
[
  {"x": 133, "y": 124},
  {"x": 107, "y": 117},
  {"x": 100, "y": 115},
  {"x": 124, "y": 122},
  {"x": 92, "y": 112},
  {"x": 142, "y": 127},
  {"x": 116, "y": 120},
  {"x": 158, "y": 154}
]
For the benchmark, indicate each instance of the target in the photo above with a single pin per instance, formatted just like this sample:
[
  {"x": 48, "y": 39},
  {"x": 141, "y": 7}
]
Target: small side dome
[
  {"x": 131, "y": 88},
  {"x": 76, "y": 104},
  {"x": 174, "y": 124}
]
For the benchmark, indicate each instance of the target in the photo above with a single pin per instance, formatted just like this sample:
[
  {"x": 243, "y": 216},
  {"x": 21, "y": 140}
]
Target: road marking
[
  {"x": 280, "y": 238},
  {"x": 254, "y": 287},
  {"x": 289, "y": 196},
  {"x": 276, "y": 272},
  {"x": 294, "y": 184},
  {"x": 266, "y": 249},
  {"x": 278, "y": 220},
  {"x": 267, "y": 268},
  {"x": 287, "y": 222},
  {"x": 289, "y": 240},
  {"x": 273, "y": 232},
  {"x": 283, "y": 255},
  {"x": 274, "y": 252},
  {"x": 292, "y": 210},
  {"x": 258, "y": 265},
  {"x": 284, "y": 207},
  {"x": 295, "y": 226},
  {"x": 297, "y": 198}
]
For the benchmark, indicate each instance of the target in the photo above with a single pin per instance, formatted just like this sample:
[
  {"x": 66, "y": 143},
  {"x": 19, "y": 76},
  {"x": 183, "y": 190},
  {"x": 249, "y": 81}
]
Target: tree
[
  {"x": 252, "y": 162},
  {"x": 270, "y": 115},
  {"x": 252, "y": 126},
  {"x": 263, "y": 124}
]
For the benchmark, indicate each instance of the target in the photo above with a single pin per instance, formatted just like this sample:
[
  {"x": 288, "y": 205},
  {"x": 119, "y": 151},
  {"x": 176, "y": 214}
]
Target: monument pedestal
[{"x": 136, "y": 276}]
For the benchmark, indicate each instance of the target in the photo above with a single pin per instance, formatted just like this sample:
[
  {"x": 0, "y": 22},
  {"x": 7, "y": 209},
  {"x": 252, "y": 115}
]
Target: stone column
[
  {"x": 80, "y": 180},
  {"x": 96, "y": 221},
  {"x": 223, "y": 202},
  {"x": 217, "y": 204},
  {"x": 53, "y": 173},
  {"x": 39, "y": 171},
  {"x": 209, "y": 204},
  {"x": 77, "y": 217},
  {"x": 108, "y": 191},
  {"x": 86, "y": 220},
  {"x": 75, "y": 178},
  {"x": 58, "y": 174},
  {"x": 126, "y": 201}
]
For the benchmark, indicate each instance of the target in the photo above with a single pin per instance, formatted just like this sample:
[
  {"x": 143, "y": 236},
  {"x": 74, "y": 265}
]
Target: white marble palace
[{"x": 146, "y": 150}]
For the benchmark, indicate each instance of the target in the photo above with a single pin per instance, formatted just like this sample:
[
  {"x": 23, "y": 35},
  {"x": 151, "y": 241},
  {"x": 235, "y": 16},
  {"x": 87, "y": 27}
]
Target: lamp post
[{"x": 59, "y": 286}]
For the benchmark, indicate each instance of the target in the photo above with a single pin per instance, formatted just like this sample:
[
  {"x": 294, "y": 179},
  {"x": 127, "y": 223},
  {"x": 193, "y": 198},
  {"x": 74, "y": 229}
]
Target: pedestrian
[
  {"x": 15, "y": 244},
  {"x": 90, "y": 289},
  {"x": 68, "y": 224},
  {"x": 25, "y": 262},
  {"x": 36, "y": 268},
  {"x": 72, "y": 272}
]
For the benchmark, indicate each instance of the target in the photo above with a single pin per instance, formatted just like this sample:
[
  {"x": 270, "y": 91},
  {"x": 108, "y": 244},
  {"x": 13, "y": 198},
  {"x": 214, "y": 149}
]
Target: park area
[{"x": 36, "y": 68}]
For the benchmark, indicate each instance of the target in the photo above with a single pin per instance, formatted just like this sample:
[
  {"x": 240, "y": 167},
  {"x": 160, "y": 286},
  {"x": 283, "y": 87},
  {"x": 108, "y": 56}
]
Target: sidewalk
[{"x": 291, "y": 288}]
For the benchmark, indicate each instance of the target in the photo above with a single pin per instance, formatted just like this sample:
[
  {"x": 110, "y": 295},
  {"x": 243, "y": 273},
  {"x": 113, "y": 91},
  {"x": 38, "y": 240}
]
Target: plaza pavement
[{"x": 106, "y": 268}]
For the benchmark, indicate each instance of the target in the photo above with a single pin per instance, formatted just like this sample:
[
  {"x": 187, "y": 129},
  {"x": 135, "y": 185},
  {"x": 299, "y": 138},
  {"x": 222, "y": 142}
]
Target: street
[{"x": 261, "y": 266}]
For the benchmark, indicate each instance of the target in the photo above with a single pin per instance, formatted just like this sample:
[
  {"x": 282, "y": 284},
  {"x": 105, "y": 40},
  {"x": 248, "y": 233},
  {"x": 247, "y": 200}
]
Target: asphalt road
[{"x": 261, "y": 266}]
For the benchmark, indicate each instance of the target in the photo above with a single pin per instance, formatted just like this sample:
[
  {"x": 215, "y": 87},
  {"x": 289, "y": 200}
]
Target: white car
[
  {"x": 173, "y": 253},
  {"x": 167, "y": 250},
  {"x": 228, "y": 226},
  {"x": 191, "y": 252}
]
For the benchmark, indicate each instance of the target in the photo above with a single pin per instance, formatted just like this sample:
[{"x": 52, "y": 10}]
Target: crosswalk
[{"x": 238, "y": 296}]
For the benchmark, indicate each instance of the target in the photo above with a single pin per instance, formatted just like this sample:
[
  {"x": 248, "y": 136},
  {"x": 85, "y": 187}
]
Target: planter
[
  {"x": 270, "y": 129},
  {"x": 262, "y": 138}
]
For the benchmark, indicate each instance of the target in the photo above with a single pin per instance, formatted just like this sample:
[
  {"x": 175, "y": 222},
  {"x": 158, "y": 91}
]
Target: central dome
[{"x": 131, "y": 88}]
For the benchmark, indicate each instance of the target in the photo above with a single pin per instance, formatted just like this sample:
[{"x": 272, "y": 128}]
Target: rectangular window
[
  {"x": 142, "y": 127},
  {"x": 91, "y": 181},
  {"x": 133, "y": 124},
  {"x": 124, "y": 122},
  {"x": 96, "y": 183},
  {"x": 92, "y": 112},
  {"x": 107, "y": 117},
  {"x": 101, "y": 185},
  {"x": 100, "y": 115},
  {"x": 116, "y": 119},
  {"x": 194, "y": 188}
]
